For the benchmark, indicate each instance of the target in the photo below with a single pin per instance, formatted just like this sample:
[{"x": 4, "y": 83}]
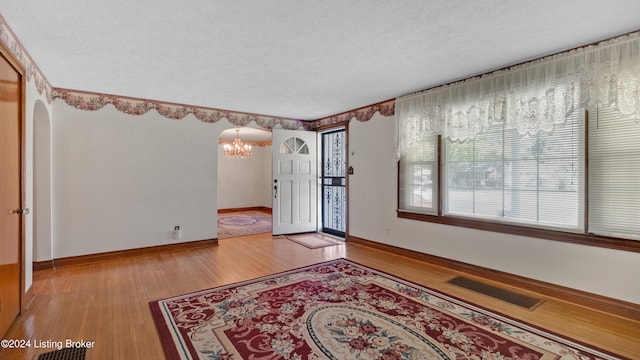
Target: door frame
[
  {"x": 8, "y": 55},
  {"x": 322, "y": 160},
  {"x": 328, "y": 128}
]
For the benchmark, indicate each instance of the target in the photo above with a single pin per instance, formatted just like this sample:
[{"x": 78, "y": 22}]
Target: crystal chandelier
[{"x": 237, "y": 149}]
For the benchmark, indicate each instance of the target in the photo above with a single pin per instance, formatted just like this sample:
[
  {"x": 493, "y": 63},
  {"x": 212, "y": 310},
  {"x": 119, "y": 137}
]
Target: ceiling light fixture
[{"x": 237, "y": 149}]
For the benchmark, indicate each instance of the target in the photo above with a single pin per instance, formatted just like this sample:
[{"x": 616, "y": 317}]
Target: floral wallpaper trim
[
  {"x": 363, "y": 114},
  {"x": 89, "y": 101},
  {"x": 132, "y": 106},
  {"x": 11, "y": 42},
  {"x": 249, "y": 142}
]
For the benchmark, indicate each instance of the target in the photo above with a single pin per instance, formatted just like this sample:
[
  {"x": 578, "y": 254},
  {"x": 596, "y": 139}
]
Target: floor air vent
[
  {"x": 511, "y": 297},
  {"x": 65, "y": 354}
]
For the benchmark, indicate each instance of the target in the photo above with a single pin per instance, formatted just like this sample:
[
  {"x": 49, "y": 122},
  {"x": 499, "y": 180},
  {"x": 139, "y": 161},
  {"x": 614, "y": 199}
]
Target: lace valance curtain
[{"x": 530, "y": 98}]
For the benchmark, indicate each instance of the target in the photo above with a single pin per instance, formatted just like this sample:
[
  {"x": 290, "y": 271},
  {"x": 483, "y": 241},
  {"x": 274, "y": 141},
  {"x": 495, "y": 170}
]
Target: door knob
[{"x": 24, "y": 211}]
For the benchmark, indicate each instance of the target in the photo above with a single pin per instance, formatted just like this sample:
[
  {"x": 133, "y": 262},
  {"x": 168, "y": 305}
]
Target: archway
[
  {"x": 244, "y": 185},
  {"x": 42, "y": 184}
]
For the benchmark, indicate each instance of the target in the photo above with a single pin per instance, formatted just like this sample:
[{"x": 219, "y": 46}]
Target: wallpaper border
[
  {"x": 32, "y": 71},
  {"x": 363, "y": 114},
  {"x": 91, "y": 101},
  {"x": 84, "y": 100}
]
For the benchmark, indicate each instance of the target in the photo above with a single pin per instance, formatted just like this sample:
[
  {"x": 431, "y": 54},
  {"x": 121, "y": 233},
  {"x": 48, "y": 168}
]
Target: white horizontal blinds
[
  {"x": 418, "y": 179},
  {"x": 475, "y": 174},
  {"x": 506, "y": 176},
  {"x": 614, "y": 174},
  {"x": 561, "y": 173}
]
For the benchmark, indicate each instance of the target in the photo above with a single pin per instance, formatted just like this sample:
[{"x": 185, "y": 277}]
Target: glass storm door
[{"x": 333, "y": 182}]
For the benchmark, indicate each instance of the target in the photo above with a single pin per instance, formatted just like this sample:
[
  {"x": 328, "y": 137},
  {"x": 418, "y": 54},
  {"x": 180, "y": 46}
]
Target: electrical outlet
[{"x": 177, "y": 233}]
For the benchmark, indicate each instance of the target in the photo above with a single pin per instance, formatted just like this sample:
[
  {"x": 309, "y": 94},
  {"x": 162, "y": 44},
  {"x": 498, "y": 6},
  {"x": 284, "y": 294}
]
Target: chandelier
[{"x": 237, "y": 149}]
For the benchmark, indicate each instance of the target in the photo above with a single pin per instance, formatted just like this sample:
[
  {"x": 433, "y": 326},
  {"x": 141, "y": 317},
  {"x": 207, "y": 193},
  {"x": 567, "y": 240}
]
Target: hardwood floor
[{"x": 107, "y": 302}]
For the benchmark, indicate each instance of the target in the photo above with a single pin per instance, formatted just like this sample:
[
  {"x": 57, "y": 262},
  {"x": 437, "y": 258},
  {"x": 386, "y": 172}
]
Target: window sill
[{"x": 569, "y": 237}]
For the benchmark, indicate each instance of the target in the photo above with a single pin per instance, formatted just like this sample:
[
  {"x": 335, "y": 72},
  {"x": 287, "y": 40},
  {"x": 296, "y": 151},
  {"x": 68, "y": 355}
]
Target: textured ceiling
[{"x": 294, "y": 58}]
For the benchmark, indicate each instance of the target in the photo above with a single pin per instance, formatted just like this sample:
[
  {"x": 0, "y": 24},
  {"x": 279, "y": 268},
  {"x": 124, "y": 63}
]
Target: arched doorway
[
  {"x": 244, "y": 185},
  {"x": 42, "y": 186}
]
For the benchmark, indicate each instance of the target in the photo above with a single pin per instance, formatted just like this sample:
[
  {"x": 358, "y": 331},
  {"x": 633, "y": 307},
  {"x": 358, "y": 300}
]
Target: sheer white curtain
[{"x": 533, "y": 97}]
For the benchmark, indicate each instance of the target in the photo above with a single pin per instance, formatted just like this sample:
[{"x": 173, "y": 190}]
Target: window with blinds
[
  {"x": 531, "y": 179},
  {"x": 516, "y": 148},
  {"x": 614, "y": 174},
  {"x": 418, "y": 177}
]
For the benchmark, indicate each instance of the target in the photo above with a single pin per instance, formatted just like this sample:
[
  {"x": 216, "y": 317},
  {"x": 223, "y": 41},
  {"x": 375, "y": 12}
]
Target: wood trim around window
[{"x": 575, "y": 238}]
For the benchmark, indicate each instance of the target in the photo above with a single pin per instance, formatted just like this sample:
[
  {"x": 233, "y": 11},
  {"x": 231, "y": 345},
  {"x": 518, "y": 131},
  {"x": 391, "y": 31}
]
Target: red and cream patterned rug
[{"x": 343, "y": 310}]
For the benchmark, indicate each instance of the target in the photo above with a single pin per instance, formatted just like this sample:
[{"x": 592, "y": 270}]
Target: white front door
[{"x": 295, "y": 182}]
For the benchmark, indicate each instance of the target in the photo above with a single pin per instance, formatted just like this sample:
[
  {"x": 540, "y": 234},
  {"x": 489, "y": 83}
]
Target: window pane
[
  {"x": 421, "y": 194},
  {"x": 418, "y": 177},
  {"x": 294, "y": 145},
  {"x": 525, "y": 179},
  {"x": 475, "y": 175}
]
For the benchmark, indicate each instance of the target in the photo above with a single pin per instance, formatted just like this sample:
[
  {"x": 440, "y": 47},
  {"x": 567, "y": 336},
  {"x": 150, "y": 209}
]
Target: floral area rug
[
  {"x": 242, "y": 223},
  {"x": 342, "y": 310}
]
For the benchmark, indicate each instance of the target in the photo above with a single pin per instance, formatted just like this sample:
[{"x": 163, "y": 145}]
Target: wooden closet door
[{"x": 10, "y": 194}]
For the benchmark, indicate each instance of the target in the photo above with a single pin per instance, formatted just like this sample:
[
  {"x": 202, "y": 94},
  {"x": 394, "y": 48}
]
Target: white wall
[
  {"x": 123, "y": 181},
  {"x": 372, "y": 205},
  {"x": 32, "y": 97},
  {"x": 245, "y": 182},
  {"x": 42, "y": 187}
]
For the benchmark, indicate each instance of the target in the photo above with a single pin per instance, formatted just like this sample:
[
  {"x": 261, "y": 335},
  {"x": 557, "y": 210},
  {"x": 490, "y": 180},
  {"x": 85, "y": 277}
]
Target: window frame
[{"x": 528, "y": 230}]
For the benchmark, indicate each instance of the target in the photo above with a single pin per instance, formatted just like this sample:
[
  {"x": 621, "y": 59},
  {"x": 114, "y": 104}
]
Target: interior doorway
[
  {"x": 333, "y": 182},
  {"x": 244, "y": 184}
]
